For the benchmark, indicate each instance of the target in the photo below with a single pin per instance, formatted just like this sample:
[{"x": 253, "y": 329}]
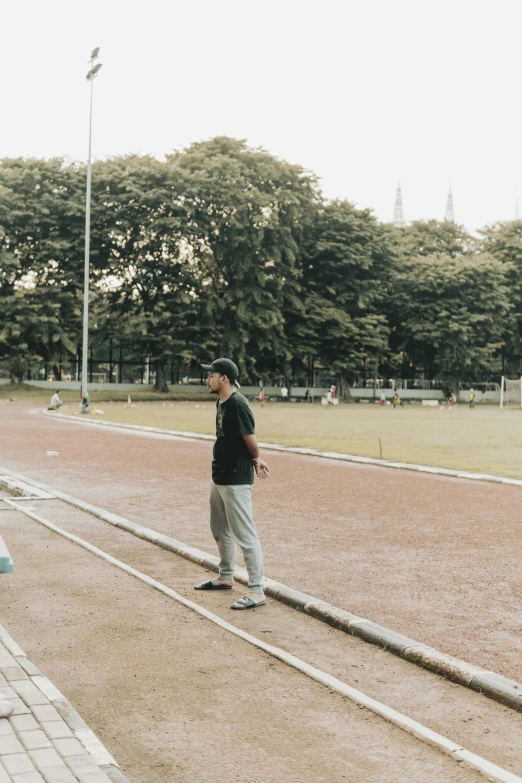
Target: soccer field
[{"x": 484, "y": 440}]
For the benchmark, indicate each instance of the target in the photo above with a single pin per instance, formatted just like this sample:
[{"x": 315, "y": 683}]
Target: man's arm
[{"x": 260, "y": 466}]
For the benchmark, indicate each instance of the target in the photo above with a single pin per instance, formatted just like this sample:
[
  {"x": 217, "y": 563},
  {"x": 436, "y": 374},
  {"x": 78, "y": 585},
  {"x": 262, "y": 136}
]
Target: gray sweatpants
[{"x": 231, "y": 523}]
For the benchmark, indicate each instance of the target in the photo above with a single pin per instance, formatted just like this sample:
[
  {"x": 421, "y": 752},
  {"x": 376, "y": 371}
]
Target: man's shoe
[{"x": 6, "y": 708}]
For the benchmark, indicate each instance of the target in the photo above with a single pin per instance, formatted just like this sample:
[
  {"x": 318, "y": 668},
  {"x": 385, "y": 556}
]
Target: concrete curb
[
  {"x": 333, "y": 455},
  {"x": 494, "y": 686},
  {"x": 80, "y": 730}
]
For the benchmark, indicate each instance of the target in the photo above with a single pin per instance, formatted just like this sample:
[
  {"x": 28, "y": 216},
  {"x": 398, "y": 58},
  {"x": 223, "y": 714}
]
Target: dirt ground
[
  {"x": 178, "y": 700},
  {"x": 437, "y": 559}
]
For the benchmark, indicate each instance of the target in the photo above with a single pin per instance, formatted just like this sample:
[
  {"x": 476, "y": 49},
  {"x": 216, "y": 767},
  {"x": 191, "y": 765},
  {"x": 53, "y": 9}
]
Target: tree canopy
[{"x": 225, "y": 249}]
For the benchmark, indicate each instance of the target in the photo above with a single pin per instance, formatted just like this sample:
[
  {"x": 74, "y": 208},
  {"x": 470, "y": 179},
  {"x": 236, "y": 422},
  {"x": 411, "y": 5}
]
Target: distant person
[
  {"x": 471, "y": 398},
  {"x": 397, "y": 400},
  {"x": 262, "y": 398},
  {"x": 308, "y": 396},
  {"x": 329, "y": 398},
  {"x": 332, "y": 389},
  {"x": 382, "y": 401},
  {"x": 55, "y": 401},
  {"x": 453, "y": 401},
  {"x": 284, "y": 393},
  {"x": 235, "y": 457}
]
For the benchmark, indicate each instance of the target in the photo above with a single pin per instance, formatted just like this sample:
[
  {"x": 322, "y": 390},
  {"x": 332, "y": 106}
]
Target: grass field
[
  {"x": 484, "y": 440},
  {"x": 37, "y": 394}
]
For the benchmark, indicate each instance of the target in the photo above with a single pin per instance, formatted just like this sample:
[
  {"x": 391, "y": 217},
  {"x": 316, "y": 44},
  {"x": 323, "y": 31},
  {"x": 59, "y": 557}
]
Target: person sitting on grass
[{"x": 55, "y": 401}]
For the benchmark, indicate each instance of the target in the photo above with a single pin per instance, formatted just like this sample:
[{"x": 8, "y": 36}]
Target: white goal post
[{"x": 510, "y": 392}]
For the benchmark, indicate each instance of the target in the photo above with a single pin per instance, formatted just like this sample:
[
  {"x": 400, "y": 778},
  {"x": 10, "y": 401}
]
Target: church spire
[
  {"x": 449, "y": 216},
  {"x": 398, "y": 215}
]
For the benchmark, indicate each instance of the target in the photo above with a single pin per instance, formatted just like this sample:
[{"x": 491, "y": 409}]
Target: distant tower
[
  {"x": 398, "y": 215},
  {"x": 449, "y": 216}
]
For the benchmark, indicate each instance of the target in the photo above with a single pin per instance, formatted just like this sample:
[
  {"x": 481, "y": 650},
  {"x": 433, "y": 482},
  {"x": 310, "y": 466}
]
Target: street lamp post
[{"x": 85, "y": 394}]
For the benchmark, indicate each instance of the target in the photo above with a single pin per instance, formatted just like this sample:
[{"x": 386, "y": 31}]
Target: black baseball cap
[{"x": 223, "y": 367}]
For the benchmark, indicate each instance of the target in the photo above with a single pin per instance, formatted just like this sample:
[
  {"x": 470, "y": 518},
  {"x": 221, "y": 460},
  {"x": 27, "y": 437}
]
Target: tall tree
[
  {"x": 143, "y": 260},
  {"x": 41, "y": 235},
  {"x": 431, "y": 237},
  {"x": 249, "y": 212},
  {"x": 453, "y": 313},
  {"x": 504, "y": 242},
  {"x": 346, "y": 276}
]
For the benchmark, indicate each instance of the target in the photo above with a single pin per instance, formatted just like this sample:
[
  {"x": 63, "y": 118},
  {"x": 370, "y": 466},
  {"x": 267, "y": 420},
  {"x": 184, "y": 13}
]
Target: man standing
[
  {"x": 471, "y": 398},
  {"x": 235, "y": 456},
  {"x": 284, "y": 393}
]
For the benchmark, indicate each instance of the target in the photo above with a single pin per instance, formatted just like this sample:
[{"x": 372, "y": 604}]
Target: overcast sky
[{"x": 361, "y": 92}]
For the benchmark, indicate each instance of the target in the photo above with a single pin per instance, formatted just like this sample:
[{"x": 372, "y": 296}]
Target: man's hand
[{"x": 261, "y": 468}]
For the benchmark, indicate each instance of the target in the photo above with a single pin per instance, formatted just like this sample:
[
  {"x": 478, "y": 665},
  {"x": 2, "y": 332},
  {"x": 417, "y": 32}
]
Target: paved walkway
[{"x": 45, "y": 740}]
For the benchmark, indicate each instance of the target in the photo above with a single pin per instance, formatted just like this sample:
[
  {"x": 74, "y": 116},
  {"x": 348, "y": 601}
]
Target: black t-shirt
[{"x": 232, "y": 463}]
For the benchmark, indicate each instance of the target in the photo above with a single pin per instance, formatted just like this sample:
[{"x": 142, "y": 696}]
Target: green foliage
[
  {"x": 41, "y": 236},
  {"x": 225, "y": 249},
  {"x": 431, "y": 237},
  {"x": 249, "y": 212},
  {"x": 346, "y": 276},
  {"x": 452, "y": 311},
  {"x": 504, "y": 242}
]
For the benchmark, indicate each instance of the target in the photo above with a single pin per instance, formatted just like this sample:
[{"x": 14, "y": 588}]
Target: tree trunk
[
  {"x": 57, "y": 376},
  {"x": 343, "y": 387},
  {"x": 160, "y": 384}
]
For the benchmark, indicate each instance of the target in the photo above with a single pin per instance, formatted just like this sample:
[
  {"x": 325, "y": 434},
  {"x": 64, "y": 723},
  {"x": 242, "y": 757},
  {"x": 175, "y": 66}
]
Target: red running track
[{"x": 435, "y": 558}]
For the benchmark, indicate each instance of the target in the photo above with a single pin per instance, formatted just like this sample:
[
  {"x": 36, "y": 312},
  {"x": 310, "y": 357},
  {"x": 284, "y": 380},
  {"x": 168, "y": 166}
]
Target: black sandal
[{"x": 211, "y": 586}]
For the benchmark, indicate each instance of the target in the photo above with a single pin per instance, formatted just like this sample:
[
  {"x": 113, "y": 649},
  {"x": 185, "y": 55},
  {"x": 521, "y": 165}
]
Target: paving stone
[
  {"x": 4, "y": 777},
  {"x": 56, "y": 729},
  {"x": 5, "y": 728},
  {"x": 94, "y": 747},
  {"x": 95, "y": 777},
  {"x": 12, "y": 647},
  {"x": 47, "y": 688},
  {"x": 45, "y": 712},
  {"x": 34, "y": 739},
  {"x": 6, "y": 692},
  {"x": 58, "y": 775},
  {"x": 20, "y": 707},
  {"x": 68, "y": 747},
  {"x": 14, "y": 673},
  {"x": 29, "y": 693},
  {"x": 114, "y": 774},
  {"x": 23, "y": 723},
  {"x": 6, "y": 659},
  {"x": 81, "y": 765},
  {"x": 28, "y": 777},
  {"x": 17, "y": 763},
  {"x": 69, "y": 714},
  {"x": 27, "y": 665},
  {"x": 47, "y": 757},
  {"x": 9, "y": 743},
  {"x": 3, "y": 681}
]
